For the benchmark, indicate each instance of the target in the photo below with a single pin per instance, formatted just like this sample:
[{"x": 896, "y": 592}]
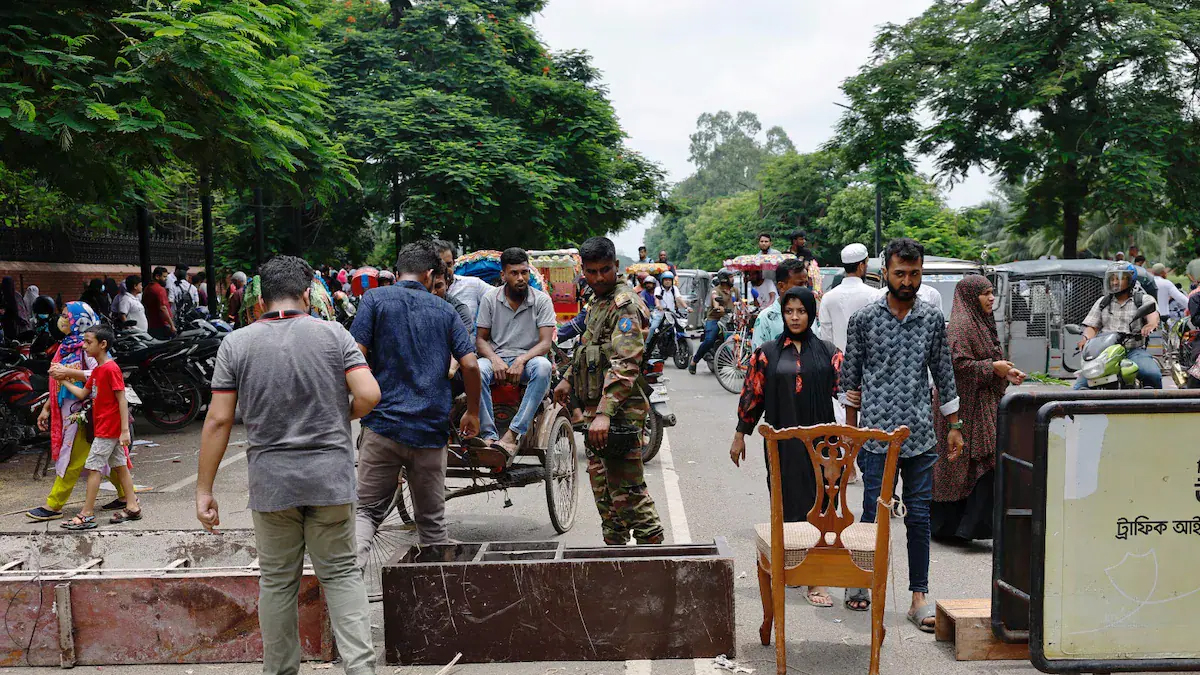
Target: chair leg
[
  {"x": 778, "y": 586},
  {"x": 764, "y": 590},
  {"x": 878, "y": 604}
]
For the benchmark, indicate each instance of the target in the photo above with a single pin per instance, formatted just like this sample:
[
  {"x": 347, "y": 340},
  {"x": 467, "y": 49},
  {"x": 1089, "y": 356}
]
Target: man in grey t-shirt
[
  {"x": 515, "y": 330},
  {"x": 300, "y": 381}
]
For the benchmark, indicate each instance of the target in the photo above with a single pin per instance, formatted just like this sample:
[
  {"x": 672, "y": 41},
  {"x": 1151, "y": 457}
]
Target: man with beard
[
  {"x": 515, "y": 330},
  {"x": 604, "y": 377},
  {"x": 893, "y": 344}
]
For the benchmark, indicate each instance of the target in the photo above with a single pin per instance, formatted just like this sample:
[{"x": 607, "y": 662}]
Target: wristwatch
[{"x": 957, "y": 426}]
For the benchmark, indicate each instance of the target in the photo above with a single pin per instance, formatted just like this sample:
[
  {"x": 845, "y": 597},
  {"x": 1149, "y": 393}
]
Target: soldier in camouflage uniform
[{"x": 604, "y": 376}]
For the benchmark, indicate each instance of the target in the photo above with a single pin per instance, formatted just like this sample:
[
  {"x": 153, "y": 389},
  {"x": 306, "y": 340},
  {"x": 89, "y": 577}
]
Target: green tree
[
  {"x": 469, "y": 128},
  {"x": 1089, "y": 101},
  {"x": 724, "y": 228},
  {"x": 797, "y": 190}
]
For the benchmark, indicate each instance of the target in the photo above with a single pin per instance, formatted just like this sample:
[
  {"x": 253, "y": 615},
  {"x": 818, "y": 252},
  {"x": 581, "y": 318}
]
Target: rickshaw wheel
[
  {"x": 731, "y": 362},
  {"x": 561, "y": 466},
  {"x": 389, "y": 537}
]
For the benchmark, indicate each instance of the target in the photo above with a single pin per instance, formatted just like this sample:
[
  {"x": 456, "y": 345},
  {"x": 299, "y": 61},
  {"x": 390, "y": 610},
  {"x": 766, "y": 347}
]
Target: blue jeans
[
  {"x": 917, "y": 472},
  {"x": 1148, "y": 370},
  {"x": 535, "y": 377},
  {"x": 712, "y": 331},
  {"x": 656, "y": 320}
]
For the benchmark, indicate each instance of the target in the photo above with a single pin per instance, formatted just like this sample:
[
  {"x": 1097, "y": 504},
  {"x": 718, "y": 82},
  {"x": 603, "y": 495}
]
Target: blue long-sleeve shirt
[{"x": 574, "y": 327}]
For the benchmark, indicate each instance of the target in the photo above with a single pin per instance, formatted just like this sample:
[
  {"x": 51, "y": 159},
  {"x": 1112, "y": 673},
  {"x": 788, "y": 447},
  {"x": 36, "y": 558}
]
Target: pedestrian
[
  {"x": 409, "y": 428},
  {"x": 643, "y": 256},
  {"x": 233, "y": 305},
  {"x": 769, "y": 325},
  {"x": 32, "y": 293},
  {"x": 892, "y": 347},
  {"x": 1114, "y": 312},
  {"x": 301, "y": 466},
  {"x": 181, "y": 293},
  {"x": 105, "y": 386},
  {"x": 201, "y": 283},
  {"x": 14, "y": 313},
  {"x": 160, "y": 321},
  {"x": 127, "y": 307},
  {"x": 69, "y": 446},
  {"x": 840, "y": 303},
  {"x": 792, "y": 380},
  {"x": 662, "y": 259},
  {"x": 467, "y": 290},
  {"x": 604, "y": 375},
  {"x": 962, "y": 487},
  {"x": 1171, "y": 301},
  {"x": 723, "y": 298},
  {"x": 764, "y": 244}
]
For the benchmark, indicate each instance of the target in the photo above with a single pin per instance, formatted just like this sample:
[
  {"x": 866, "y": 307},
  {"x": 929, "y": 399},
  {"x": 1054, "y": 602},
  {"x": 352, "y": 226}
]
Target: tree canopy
[
  {"x": 1087, "y": 103},
  {"x": 468, "y": 127}
]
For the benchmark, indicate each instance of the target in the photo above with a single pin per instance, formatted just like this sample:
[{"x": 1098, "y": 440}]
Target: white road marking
[
  {"x": 180, "y": 484},
  {"x": 676, "y": 515}
]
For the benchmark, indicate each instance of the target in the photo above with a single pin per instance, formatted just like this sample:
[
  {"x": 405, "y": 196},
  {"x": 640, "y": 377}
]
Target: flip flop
[
  {"x": 812, "y": 598},
  {"x": 79, "y": 523},
  {"x": 918, "y": 617},
  {"x": 857, "y": 595}
]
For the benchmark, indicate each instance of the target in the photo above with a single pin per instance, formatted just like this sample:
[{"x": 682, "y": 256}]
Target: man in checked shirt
[{"x": 893, "y": 344}]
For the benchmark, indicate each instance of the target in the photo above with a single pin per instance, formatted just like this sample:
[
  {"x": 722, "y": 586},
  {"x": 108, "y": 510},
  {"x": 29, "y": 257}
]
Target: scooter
[
  {"x": 671, "y": 340},
  {"x": 1104, "y": 363}
]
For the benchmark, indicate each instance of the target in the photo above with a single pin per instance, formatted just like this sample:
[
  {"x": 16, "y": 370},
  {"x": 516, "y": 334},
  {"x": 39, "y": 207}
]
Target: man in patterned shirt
[{"x": 891, "y": 346}]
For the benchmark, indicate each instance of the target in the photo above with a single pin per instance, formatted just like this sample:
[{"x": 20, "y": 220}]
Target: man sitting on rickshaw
[{"x": 515, "y": 331}]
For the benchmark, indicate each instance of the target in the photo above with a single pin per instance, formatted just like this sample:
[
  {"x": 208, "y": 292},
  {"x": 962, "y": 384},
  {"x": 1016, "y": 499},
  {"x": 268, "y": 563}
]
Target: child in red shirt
[{"x": 110, "y": 421}]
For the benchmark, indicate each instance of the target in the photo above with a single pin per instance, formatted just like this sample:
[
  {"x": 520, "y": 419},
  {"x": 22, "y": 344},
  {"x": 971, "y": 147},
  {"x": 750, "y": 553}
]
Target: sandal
[
  {"x": 115, "y": 504},
  {"x": 818, "y": 598},
  {"x": 42, "y": 514},
  {"x": 80, "y": 522},
  {"x": 125, "y": 515},
  {"x": 918, "y": 617},
  {"x": 857, "y": 595}
]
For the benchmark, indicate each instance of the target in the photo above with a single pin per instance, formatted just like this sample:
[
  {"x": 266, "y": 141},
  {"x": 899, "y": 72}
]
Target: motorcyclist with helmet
[
  {"x": 1114, "y": 313},
  {"x": 666, "y": 300}
]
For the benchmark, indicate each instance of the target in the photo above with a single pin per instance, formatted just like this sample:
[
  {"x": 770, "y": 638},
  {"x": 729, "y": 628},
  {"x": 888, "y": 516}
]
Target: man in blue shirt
[{"x": 408, "y": 336}]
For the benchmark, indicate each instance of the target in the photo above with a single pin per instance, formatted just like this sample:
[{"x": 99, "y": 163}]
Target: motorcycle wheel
[
  {"x": 181, "y": 407},
  {"x": 652, "y": 436},
  {"x": 683, "y": 353}
]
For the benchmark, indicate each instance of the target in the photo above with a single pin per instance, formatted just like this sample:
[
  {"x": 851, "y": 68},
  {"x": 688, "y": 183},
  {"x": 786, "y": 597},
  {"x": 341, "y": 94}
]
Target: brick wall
[{"x": 69, "y": 279}]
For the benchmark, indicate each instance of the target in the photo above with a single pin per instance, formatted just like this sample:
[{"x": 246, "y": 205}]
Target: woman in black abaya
[{"x": 792, "y": 381}]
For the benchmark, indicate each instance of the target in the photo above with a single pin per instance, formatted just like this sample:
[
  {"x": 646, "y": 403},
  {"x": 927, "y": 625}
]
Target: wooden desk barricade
[{"x": 505, "y": 602}]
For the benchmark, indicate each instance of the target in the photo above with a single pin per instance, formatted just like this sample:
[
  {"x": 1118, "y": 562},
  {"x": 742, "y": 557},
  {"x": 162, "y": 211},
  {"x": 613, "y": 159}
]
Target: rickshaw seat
[{"x": 505, "y": 393}]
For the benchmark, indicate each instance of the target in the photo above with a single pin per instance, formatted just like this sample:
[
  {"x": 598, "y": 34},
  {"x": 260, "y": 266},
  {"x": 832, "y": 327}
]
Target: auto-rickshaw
[
  {"x": 561, "y": 268},
  {"x": 1040, "y": 308}
]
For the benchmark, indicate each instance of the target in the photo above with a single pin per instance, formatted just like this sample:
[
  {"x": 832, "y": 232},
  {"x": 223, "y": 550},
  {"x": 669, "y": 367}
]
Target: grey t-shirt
[
  {"x": 515, "y": 332},
  {"x": 290, "y": 377}
]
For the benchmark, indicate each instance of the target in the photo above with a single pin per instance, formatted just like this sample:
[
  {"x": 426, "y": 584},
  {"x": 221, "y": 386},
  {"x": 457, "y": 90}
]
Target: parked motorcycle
[
  {"x": 22, "y": 395},
  {"x": 1104, "y": 363},
  {"x": 162, "y": 381},
  {"x": 671, "y": 340}
]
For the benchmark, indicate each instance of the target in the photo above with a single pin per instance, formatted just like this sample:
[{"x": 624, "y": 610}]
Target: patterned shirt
[
  {"x": 1117, "y": 316},
  {"x": 888, "y": 359}
]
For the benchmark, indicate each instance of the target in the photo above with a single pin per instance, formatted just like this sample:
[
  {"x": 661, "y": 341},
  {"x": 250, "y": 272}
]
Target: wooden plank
[
  {"x": 969, "y": 624},
  {"x": 66, "y": 625}
]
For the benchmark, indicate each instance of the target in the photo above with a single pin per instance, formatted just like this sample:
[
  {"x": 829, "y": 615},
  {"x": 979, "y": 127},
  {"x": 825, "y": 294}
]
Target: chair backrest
[{"x": 832, "y": 448}]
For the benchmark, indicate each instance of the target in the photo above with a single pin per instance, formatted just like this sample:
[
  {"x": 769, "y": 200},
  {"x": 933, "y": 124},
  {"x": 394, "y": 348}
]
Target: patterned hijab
[
  {"x": 320, "y": 302},
  {"x": 972, "y": 331},
  {"x": 80, "y": 317}
]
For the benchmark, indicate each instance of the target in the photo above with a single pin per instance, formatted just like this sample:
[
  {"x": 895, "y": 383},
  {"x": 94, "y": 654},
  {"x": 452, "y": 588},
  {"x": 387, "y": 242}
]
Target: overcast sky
[{"x": 667, "y": 61}]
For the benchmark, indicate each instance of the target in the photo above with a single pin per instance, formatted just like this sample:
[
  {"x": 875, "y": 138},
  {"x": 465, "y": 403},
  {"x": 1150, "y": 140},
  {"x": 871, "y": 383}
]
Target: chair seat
[{"x": 799, "y": 538}]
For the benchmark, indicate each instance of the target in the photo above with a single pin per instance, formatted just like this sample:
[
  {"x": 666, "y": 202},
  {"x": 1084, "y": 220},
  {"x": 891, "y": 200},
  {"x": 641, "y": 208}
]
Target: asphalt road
[{"x": 700, "y": 495}]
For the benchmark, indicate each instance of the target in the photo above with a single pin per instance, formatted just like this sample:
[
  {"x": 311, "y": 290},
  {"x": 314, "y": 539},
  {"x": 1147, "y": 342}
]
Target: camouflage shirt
[{"x": 608, "y": 360}]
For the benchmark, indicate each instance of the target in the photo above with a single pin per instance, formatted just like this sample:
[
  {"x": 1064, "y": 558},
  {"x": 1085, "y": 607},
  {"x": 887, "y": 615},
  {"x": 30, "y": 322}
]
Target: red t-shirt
[
  {"x": 105, "y": 381},
  {"x": 158, "y": 307}
]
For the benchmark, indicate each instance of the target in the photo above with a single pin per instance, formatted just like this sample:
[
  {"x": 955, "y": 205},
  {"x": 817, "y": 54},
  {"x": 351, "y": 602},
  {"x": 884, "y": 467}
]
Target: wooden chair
[{"x": 829, "y": 549}]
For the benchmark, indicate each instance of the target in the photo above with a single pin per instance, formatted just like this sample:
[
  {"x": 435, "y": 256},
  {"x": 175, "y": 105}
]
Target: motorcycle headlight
[{"x": 1092, "y": 370}]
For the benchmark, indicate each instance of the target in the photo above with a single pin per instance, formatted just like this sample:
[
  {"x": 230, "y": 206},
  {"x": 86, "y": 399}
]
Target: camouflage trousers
[{"x": 623, "y": 500}]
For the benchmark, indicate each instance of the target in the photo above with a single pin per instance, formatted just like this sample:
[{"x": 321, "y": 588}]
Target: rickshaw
[
  {"x": 561, "y": 268},
  {"x": 731, "y": 359},
  {"x": 1040, "y": 308},
  {"x": 547, "y": 454}
]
